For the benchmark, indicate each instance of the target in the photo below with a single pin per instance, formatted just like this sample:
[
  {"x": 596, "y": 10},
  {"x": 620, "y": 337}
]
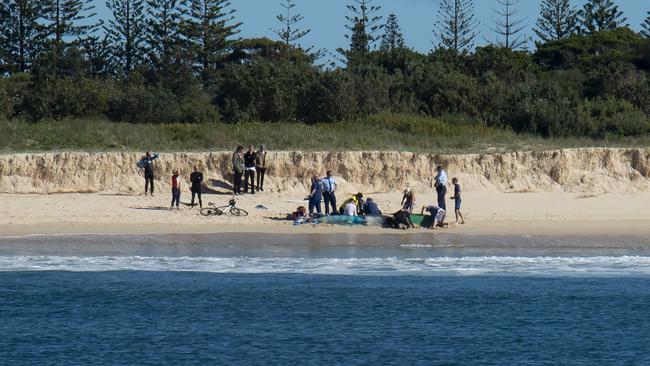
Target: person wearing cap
[
  {"x": 408, "y": 200},
  {"x": 441, "y": 187},
  {"x": 260, "y": 167},
  {"x": 329, "y": 195}
]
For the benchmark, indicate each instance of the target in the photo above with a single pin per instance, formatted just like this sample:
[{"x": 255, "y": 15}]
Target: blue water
[{"x": 55, "y": 317}]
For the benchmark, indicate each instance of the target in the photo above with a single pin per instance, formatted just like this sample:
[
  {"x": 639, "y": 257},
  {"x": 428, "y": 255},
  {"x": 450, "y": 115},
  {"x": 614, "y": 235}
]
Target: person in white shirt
[
  {"x": 350, "y": 209},
  {"x": 441, "y": 187},
  {"x": 329, "y": 187}
]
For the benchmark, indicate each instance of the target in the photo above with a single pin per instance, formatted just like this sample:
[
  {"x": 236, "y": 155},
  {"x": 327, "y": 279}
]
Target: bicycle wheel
[
  {"x": 238, "y": 212},
  {"x": 209, "y": 211}
]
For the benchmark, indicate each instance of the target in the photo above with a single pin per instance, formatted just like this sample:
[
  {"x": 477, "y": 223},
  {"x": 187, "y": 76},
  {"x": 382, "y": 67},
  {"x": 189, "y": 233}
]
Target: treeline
[{"x": 182, "y": 61}]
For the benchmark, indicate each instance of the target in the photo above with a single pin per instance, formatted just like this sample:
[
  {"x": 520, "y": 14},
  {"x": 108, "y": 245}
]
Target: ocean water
[{"x": 201, "y": 300}]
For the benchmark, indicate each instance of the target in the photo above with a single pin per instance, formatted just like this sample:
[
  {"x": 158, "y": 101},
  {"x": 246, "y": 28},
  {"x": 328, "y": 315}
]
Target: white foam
[{"x": 464, "y": 266}]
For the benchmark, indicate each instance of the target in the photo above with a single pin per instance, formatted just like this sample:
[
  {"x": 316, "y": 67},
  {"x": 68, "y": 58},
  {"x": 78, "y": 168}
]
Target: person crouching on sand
[
  {"x": 457, "y": 201},
  {"x": 350, "y": 209},
  {"x": 438, "y": 215},
  {"x": 402, "y": 220},
  {"x": 176, "y": 189}
]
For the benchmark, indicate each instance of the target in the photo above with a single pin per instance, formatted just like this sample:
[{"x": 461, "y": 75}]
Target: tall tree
[
  {"x": 646, "y": 26},
  {"x": 392, "y": 38},
  {"x": 69, "y": 18},
  {"x": 96, "y": 51},
  {"x": 456, "y": 25},
  {"x": 365, "y": 17},
  {"x": 601, "y": 15},
  {"x": 21, "y": 34},
  {"x": 162, "y": 34},
  {"x": 290, "y": 33},
  {"x": 208, "y": 30},
  {"x": 558, "y": 20},
  {"x": 126, "y": 31},
  {"x": 508, "y": 26}
]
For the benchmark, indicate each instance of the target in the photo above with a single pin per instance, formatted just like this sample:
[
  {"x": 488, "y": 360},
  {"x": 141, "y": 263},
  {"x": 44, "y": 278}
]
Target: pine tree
[
  {"x": 21, "y": 35},
  {"x": 163, "y": 28},
  {"x": 208, "y": 30},
  {"x": 290, "y": 32},
  {"x": 364, "y": 18},
  {"x": 393, "y": 38},
  {"x": 558, "y": 20},
  {"x": 69, "y": 19},
  {"x": 97, "y": 53},
  {"x": 456, "y": 26},
  {"x": 646, "y": 26},
  {"x": 508, "y": 27},
  {"x": 601, "y": 15},
  {"x": 126, "y": 32}
]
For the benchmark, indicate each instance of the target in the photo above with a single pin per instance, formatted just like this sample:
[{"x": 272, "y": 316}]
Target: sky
[{"x": 326, "y": 18}]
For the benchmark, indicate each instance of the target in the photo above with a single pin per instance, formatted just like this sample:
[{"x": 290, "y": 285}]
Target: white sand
[{"x": 486, "y": 213}]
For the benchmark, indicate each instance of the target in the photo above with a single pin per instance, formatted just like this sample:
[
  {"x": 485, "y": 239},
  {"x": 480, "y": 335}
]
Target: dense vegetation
[{"x": 180, "y": 62}]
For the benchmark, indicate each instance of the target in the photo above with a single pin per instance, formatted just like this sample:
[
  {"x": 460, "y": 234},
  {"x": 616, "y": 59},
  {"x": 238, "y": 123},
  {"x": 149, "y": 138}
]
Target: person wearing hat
[{"x": 408, "y": 200}]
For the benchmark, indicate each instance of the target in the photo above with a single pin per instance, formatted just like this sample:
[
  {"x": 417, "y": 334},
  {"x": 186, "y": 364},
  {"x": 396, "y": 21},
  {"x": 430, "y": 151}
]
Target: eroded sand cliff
[{"x": 590, "y": 170}]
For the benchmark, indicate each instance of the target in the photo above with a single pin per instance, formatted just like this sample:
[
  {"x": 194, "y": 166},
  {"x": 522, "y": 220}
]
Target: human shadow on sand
[
  {"x": 151, "y": 208},
  {"x": 214, "y": 184}
]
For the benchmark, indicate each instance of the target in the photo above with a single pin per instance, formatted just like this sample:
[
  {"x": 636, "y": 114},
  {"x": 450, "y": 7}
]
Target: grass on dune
[{"x": 380, "y": 132}]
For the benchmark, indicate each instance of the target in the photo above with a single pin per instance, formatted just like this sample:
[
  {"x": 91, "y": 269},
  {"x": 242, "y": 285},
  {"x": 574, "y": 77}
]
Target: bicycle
[{"x": 213, "y": 210}]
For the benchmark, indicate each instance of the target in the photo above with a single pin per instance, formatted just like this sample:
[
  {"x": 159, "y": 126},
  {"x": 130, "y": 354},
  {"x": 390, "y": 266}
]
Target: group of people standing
[
  {"x": 253, "y": 164},
  {"x": 196, "y": 179},
  {"x": 248, "y": 165}
]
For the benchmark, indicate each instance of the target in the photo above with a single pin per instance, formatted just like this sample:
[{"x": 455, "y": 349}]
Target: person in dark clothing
[
  {"x": 196, "y": 178},
  {"x": 315, "y": 196},
  {"x": 371, "y": 208},
  {"x": 250, "y": 159},
  {"x": 438, "y": 214},
  {"x": 402, "y": 220},
  {"x": 146, "y": 164},
  {"x": 441, "y": 187},
  {"x": 260, "y": 167},
  {"x": 238, "y": 168},
  {"x": 329, "y": 193}
]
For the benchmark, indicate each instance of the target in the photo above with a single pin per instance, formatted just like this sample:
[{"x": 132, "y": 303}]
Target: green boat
[{"x": 422, "y": 220}]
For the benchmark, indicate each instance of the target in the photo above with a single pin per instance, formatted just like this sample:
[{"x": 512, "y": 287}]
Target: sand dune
[
  {"x": 587, "y": 171},
  {"x": 567, "y": 192}
]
